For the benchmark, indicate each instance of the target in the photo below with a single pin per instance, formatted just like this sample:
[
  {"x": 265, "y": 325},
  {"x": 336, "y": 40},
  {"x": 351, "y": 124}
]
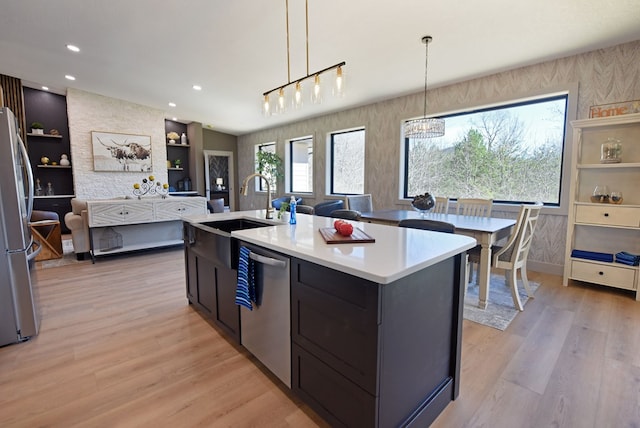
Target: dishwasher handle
[{"x": 267, "y": 260}]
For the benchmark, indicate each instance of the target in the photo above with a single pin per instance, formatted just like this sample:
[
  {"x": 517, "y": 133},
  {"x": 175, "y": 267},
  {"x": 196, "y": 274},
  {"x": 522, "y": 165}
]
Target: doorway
[{"x": 220, "y": 177}]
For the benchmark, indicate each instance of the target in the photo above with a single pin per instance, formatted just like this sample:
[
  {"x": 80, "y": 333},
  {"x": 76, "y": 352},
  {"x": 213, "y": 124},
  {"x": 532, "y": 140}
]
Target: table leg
[{"x": 484, "y": 275}]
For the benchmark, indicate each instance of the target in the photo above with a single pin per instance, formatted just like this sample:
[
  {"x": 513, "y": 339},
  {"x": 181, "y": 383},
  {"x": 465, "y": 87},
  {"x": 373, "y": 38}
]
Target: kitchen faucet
[{"x": 244, "y": 188}]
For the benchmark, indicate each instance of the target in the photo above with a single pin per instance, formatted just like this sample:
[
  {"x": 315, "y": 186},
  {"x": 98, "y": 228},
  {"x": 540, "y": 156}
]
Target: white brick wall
[{"x": 91, "y": 112}]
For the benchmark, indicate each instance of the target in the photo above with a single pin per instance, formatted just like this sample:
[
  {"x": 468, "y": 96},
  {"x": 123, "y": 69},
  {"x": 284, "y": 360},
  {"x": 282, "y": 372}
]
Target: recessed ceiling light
[
  {"x": 69, "y": 77},
  {"x": 172, "y": 104},
  {"x": 197, "y": 87},
  {"x": 45, "y": 88},
  {"x": 73, "y": 48}
]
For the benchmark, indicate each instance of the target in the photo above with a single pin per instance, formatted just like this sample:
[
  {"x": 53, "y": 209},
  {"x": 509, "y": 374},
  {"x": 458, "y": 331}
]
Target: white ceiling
[{"x": 152, "y": 52}]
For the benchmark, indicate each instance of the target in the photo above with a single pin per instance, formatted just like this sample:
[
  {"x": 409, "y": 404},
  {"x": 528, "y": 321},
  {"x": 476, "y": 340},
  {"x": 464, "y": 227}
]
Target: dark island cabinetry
[
  {"x": 376, "y": 355},
  {"x": 211, "y": 280}
]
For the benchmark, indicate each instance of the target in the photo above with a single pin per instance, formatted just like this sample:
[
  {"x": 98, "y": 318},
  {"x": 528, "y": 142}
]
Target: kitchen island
[{"x": 375, "y": 327}]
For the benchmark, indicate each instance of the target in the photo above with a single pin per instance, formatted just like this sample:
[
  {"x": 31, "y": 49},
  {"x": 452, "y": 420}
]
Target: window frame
[
  {"x": 331, "y": 157},
  {"x": 289, "y": 164},
  {"x": 568, "y": 90}
]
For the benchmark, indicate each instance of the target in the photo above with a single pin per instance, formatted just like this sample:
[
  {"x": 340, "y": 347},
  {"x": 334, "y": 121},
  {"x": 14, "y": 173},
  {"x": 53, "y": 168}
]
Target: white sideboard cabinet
[
  {"x": 121, "y": 225},
  {"x": 600, "y": 225}
]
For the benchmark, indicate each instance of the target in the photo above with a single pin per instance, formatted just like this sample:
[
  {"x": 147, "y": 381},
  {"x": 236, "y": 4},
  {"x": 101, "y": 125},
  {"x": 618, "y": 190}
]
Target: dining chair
[
  {"x": 360, "y": 203},
  {"x": 513, "y": 255},
  {"x": 436, "y": 226},
  {"x": 426, "y": 224},
  {"x": 346, "y": 214},
  {"x": 442, "y": 205},
  {"x": 474, "y": 207},
  {"x": 305, "y": 209},
  {"x": 478, "y": 208}
]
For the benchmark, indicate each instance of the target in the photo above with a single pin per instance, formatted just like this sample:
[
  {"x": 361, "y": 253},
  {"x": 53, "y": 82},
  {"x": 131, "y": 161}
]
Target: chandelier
[
  {"x": 425, "y": 127},
  {"x": 277, "y": 100}
]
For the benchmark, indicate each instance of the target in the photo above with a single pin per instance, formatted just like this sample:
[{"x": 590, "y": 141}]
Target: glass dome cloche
[{"x": 423, "y": 203}]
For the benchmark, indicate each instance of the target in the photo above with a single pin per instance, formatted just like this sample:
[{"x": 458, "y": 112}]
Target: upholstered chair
[{"x": 78, "y": 222}]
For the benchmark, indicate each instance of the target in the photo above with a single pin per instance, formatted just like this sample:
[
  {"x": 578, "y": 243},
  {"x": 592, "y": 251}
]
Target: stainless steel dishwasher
[{"x": 266, "y": 330}]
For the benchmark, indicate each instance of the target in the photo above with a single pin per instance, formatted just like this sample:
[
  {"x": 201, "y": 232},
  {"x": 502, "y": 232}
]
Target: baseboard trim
[{"x": 553, "y": 269}]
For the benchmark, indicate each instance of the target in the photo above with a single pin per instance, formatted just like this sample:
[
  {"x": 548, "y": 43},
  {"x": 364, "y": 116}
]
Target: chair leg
[
  {"x": 525, "y": 281},
  {"x": 466, "y": 276},
  {"x": 512, "y": 281}
]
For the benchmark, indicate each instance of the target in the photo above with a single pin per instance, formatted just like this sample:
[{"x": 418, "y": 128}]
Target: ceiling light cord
[
  {"x": 426, "y": 40},
  {"x": 288, "y": 55}
]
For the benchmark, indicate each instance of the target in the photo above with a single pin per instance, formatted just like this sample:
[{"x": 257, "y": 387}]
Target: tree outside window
[
  {"x": 511, "y": 153},
  {"x": 347, "y": 162},
  {"x": 269, "y": 164}
]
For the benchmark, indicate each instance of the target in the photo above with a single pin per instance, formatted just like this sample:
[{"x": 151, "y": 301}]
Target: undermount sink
[{"x": 235, "y": 224}]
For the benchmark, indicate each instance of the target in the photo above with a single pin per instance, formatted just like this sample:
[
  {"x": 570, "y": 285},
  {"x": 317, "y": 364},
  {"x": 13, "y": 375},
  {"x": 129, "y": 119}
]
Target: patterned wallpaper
[{"x": 603, "y": 76}]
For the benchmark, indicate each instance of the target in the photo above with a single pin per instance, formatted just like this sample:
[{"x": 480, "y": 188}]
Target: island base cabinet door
[
  {"x": 211, "y": 287},
  {"x": 334, "y": 397}
]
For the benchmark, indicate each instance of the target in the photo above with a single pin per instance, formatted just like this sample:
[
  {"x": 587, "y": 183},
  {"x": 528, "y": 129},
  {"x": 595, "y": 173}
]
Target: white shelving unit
[{"x": 604, "y": 227}]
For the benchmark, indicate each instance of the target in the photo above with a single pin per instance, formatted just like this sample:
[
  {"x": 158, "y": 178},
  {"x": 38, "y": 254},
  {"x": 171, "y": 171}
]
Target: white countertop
[{"x": 397, "y": 252}]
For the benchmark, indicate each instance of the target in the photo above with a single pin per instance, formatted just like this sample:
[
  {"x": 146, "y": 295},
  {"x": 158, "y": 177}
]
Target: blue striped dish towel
[
  {"x": 246, "y": 287},
  {"x": 592, "y": 255}
]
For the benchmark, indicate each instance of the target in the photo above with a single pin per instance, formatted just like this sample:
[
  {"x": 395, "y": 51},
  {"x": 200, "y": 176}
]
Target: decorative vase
[
  {"x": 172, "y": 141},
  {"x": 64, "y": 160},
  {"x": 423, "y": 203}
]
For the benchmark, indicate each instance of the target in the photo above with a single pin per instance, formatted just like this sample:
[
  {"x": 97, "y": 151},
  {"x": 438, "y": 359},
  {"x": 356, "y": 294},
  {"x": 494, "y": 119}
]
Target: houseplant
[
  {"x": 37, "y": 128},
  {"x": 270, "y": 165}
]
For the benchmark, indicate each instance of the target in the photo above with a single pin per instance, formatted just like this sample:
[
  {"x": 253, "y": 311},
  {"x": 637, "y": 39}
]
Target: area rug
[
  {"x": 68, "y": 257},
  {"x": 500, "y": 308}
]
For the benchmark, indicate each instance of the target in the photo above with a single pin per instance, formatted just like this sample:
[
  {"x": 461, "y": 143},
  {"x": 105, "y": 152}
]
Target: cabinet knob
[
  {"x": 606, "y": 214},
  {"x": 600, "y": 273}
]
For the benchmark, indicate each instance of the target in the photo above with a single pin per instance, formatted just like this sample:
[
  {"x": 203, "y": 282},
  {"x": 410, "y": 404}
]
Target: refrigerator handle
[
  {"x": 25, "y": 156},
  {"x": 32, "y": 255}
]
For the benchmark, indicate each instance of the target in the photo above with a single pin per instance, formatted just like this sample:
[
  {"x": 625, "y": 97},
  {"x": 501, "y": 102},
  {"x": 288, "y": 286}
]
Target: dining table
[{"x": 486, "y": 230}]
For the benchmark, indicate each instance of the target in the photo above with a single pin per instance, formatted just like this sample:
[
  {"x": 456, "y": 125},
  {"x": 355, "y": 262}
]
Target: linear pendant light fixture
[
  {"x": 426, "y": 127},
  {"x": 275, "y": 101}
]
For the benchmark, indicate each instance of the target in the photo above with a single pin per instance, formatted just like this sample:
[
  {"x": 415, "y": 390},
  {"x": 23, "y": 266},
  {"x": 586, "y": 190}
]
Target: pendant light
[
  {"x": 426, "y": 127},
  {"x": 296, "y": 97}
]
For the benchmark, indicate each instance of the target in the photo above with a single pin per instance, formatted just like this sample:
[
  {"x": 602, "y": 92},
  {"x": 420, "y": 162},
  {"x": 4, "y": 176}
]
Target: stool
[{"x": 48, "y": 236}]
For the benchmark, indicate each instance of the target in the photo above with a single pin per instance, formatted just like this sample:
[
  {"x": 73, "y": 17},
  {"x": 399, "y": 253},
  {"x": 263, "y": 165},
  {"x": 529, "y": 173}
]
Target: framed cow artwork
[{"x": 113, "y": 151}]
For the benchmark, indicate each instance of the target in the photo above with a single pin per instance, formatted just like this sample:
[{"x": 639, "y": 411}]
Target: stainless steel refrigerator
[{"x": 18, "y": 310}]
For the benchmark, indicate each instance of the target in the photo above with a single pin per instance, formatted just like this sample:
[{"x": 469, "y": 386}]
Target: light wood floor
[{"x": 120, "y": 347}]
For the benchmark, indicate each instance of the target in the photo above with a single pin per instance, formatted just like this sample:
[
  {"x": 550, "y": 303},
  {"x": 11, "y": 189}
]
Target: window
[
  {"x": 300, "y": 165},
  {"x": 347, "y": 162},
  {"x": 510, "y": 153},
  {"x": 260, "y": 184}
]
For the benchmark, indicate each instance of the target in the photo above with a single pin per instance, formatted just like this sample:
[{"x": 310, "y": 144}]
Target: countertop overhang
[{"x": 396, "y": 252}]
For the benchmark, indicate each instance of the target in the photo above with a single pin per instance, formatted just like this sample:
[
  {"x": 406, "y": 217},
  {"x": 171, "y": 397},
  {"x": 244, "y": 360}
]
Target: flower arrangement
[
  {"x": 173, "y": 136},
  {"x": 150, "y": 187}
]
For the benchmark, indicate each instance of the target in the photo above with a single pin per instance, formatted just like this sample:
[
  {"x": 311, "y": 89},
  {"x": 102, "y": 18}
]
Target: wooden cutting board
[{"x": 331, "y": 236}]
